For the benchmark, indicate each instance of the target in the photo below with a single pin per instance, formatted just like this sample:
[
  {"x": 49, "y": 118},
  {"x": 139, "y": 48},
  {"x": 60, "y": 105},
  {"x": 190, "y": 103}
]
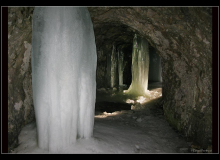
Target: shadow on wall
[{"x": 155, "y": 68}]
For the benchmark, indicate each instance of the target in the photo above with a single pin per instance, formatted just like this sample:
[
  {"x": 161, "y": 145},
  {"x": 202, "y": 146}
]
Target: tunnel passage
[
  {"x": 182, "y": 39},
  {"x": 126, "y": 64},
  {"x": 111, "y": 41}
]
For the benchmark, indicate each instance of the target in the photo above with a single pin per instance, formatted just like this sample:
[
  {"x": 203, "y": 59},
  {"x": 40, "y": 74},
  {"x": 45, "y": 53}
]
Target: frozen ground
[{"x": 140, "y": 130}]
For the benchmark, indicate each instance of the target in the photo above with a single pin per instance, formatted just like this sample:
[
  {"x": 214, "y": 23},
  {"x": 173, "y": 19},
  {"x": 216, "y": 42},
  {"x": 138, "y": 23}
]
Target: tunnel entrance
[
  {"x": 114, "y": 68},
  {"x": 113, "y": 106}
]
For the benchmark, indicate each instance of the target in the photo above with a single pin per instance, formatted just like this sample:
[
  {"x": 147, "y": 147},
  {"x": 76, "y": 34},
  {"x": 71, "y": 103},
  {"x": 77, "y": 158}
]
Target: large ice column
[
  {"x": 63, "y": 75},
  {"x": 140, "y": 66},
  {"x": 108, "y": 70},
  {"x": 155, "y": 68},
  {"x": 113, "y": 67},
  {"x": 120, "y": 66},
  {"x": 111, "y": 74}
]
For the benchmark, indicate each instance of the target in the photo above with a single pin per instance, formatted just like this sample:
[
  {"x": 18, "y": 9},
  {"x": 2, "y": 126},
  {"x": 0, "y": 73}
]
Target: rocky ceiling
[
  {"x": 164, "y": 27},
  {"x": 108, "y": 33}
]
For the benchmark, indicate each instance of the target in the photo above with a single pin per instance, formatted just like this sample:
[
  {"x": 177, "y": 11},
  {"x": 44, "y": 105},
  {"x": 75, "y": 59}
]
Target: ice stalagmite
[
  {"x": 140, "y": 67},
  {"x": 63, "y": 75},
  {"x": 120, "y": 66},
  {"x": 108, "y": 70},
  {"x": 113, "y": 66}
]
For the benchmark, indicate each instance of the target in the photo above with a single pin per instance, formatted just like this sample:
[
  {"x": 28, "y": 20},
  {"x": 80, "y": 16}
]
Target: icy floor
[{"x": 124, "y": 131}]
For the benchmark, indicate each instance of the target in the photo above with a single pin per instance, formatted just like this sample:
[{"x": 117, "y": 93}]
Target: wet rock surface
[{"x": 20, "y": 101}]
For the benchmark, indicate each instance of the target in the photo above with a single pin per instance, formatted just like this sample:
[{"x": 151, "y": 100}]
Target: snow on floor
[{"x": 120, "y": 132}]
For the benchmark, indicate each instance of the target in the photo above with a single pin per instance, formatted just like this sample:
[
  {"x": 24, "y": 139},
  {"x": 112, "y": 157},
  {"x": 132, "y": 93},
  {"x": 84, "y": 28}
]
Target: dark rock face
[
  {"x": 182, "y": 37},
  {"x": 20, "y": 102}
]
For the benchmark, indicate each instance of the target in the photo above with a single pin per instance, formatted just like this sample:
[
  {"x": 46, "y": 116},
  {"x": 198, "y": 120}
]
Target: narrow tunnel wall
[{"x": 20, "y": 99}]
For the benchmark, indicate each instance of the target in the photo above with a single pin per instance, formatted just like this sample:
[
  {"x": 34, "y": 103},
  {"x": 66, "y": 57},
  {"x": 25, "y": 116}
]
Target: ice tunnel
[{"x": 63, "y": 75}]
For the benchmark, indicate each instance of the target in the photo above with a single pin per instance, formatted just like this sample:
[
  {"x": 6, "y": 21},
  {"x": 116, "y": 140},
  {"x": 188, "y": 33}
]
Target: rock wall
[{"x": 20, "y": 102}]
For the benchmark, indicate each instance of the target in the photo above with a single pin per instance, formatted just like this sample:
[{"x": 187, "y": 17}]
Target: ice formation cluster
[{"x": 63, "y": 75}]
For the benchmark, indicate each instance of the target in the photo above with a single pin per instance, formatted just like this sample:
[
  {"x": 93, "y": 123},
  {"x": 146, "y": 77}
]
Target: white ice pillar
[
  {"x": 120, "y": 66},
  {"x": 140, "y": 66},
  {"x": 108, "y": 70},
  {"x": 113, "y": 66},
  {"x": 63, "y": 75}
]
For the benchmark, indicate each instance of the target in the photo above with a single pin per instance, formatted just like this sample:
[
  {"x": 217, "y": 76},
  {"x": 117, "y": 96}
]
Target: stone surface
[
  {"x": 20, "y": 102},
  {"x": 184, "y": 150}
]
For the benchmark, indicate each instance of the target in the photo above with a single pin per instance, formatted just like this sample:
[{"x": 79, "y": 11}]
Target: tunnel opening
[{"x": 114, "y": 41}]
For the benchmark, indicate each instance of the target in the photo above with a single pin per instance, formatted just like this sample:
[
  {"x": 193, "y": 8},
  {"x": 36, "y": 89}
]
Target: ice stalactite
[
  {"x": 63, "y": 75},
  {"x": 140, "y": 67},
  {"x": 120, "y": 66}
]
